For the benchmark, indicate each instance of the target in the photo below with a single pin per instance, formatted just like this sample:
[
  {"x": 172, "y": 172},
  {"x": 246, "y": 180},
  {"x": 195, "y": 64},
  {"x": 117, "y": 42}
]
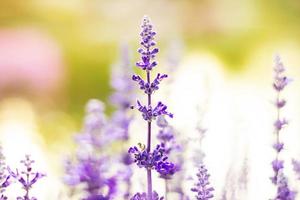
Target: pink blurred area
[{"x": 30, "y": 62}]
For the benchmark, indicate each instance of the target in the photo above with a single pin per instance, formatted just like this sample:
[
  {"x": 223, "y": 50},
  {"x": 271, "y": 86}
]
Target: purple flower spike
[
  {"x": 147, "y": 41},
  {"x": 143, "y": 156},
  {"x": 283, "y": 190},
  {"x": 279, "y": 179},
  {"x": 26, "y": 178},
  {"x": 202, "y": 188}
]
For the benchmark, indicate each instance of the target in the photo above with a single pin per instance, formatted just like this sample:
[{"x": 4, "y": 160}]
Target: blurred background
[{"x": 55, "y": 55}]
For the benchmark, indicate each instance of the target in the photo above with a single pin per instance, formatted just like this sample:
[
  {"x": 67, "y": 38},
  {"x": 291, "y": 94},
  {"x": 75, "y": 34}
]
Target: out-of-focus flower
[
  {"x": 296, "y": 168},
  {"x": 30, "y": 61},
  {"x": 283, "y": 190},
  {"x": 143, "y": 196},
  {"x": 90, "y": 167},
  {"x": 202, "y": 188}
]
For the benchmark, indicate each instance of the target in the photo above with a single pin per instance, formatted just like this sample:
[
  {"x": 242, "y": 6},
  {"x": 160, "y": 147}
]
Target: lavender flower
[
  {"x": 202, "y": 188},
  {"x": 4, "y": 177},
  {"x": 148, "y": 160},
  {"x": 149, "y": 88},
  {"x": 90, "y": 172},
  {"x": 90, "y": 168},
  {"x": 167, "y": 137},
  {"x": 143, "y": 156},
  {"x": 122, "y": 96},
  {"x": 143, "y": 196},
  {"x": 27, "y": 178},
  {"x": 283, "y": 190},
  {"x": 279, "y": 179},
  {"x": 150, "y": 114},
  {"x": 296, "y": 167}
]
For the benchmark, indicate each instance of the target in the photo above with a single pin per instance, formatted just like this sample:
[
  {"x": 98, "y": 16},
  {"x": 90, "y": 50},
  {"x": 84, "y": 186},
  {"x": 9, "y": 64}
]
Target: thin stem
[
  {"x": 277, "y": 131},
  {"x": 27, "y": 188},
  {"x": 149, "y": 182},
  {"x": 166, "y": 189},
  {"x": 149, "y": 176}
]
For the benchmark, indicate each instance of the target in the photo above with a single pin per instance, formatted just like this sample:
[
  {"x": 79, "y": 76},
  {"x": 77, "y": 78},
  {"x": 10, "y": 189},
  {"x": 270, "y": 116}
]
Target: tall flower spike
[
  {"x": 202, "y": 188},
  {"x": 27, "y": 178},
  {"x": 147, "y": 41},
  {"x": 143, "y": 155},
  {"x": 279, "y": 179}
]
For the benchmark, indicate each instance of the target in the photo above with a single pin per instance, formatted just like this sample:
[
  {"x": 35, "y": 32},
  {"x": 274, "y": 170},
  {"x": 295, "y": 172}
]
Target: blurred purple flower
[
  {"x": 283, "y": 190},
  {"x": 202, "y": 188},
  {"x": 90, "y": 166},
  {"x": 143, "y": 196},
  {"x": 296, "y": 167}
]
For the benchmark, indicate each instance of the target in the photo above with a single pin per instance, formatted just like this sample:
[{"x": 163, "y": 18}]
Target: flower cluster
[
  {"x": 91, "y": 172},
  {"x": 27, "y": 178},
  {"x": 150, "y": 114},
  {"x": 202, "y": 188},
  {"x": 148, "y": 160},
  {"x": 143, "y": 196},
  {"x": 283, "y": 190},
  {"x": 147, "y": 42},
  {"x": 149, "y": 88}
]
